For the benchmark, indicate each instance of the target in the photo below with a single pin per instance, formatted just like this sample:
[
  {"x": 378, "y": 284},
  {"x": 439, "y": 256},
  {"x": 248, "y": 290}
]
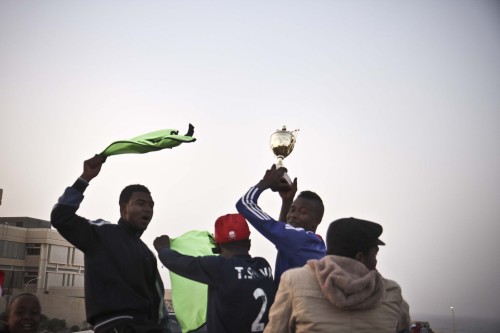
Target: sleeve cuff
[{"x": 80, "y": 184}]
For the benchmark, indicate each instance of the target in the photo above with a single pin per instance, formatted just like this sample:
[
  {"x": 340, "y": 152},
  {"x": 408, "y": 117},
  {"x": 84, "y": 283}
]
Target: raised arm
[
  {"x": 287, "y": 196},
  {"x": 285, "y": 237},
  {"x": 203, "y": 269},
  {"x": 76, "y": 229}
]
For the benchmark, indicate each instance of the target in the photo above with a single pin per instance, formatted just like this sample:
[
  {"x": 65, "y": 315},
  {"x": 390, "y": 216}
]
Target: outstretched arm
[
  {"x": 204, "y": 269},
  {"x": 275, "y": 231},
  {"x": 286, "y": 237},
  {"x": 75, "y": 229}
]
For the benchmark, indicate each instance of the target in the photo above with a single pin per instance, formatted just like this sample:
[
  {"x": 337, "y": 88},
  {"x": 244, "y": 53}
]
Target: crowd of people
[{"x": 316, "y": 287}]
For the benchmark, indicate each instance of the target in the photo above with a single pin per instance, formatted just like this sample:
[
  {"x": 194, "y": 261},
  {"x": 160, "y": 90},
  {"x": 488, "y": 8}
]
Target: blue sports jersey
[{"x": 295, "y": 245}]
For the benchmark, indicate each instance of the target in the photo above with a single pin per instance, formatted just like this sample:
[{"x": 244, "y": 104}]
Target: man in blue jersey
[
  {"x": 295, "y": 239},
  {"x": 240, "y": 287}
]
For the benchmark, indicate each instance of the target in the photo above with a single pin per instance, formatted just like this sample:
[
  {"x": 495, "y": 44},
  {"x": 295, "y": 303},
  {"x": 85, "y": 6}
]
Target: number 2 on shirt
[{"x": 257, "y": 326}]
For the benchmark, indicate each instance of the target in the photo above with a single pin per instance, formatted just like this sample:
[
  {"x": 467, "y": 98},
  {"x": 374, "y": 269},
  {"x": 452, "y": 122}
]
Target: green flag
[
  {"x": 189, "y": 298},
  {"x": 158, "y": 140}
]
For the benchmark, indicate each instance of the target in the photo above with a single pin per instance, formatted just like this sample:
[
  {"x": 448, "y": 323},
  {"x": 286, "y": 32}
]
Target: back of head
[
  {"x": 309, "y": 195},
  {"x": 348, "y": 236},
  {"x": 126, "y": 193},
  {"x": 232, "y": 232}
]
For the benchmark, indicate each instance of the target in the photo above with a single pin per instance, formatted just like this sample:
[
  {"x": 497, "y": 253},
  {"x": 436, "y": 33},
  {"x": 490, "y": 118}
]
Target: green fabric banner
[
  {"x": 145, "y": 143},
  {"x": 189, "y": 298}
]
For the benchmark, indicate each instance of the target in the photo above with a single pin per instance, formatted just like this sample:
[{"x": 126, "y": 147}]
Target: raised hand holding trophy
[{"x": 282, "y": 143}]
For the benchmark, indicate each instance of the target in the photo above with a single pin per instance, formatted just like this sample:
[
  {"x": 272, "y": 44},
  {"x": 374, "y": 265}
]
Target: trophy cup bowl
[{"x": 282, "y": 143}]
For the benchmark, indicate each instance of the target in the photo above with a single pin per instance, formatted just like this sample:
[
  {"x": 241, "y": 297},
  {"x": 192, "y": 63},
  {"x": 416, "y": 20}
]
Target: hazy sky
[{"x": 397, "y": 102}]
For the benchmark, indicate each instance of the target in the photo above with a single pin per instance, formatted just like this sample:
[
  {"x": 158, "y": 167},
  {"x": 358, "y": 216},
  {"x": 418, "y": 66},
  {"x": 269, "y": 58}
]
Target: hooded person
[{"x": 342, "y": 292}]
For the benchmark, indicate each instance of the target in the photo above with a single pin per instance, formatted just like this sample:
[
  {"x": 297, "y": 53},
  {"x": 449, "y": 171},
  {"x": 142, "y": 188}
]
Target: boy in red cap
[{"x": 240, "y": 288}]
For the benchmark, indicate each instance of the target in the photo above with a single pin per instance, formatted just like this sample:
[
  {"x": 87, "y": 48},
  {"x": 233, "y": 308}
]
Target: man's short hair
[
  {"x": 128, "y": 190},
  {"x": 348, "y": 236},
  {"x": 310, "y": 195},
  {"x": 240, "y": 245}
]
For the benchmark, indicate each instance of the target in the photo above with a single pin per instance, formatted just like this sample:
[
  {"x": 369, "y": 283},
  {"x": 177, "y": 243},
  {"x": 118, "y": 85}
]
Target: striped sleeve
[{"x": 285, "y": 237}]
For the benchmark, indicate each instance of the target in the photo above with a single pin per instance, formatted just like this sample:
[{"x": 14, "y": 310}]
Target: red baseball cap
[{"x": 231, "y": 228}]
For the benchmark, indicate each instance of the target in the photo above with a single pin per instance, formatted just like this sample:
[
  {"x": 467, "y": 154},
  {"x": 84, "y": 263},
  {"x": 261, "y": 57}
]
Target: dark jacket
[{"x": 240, "y": 289}]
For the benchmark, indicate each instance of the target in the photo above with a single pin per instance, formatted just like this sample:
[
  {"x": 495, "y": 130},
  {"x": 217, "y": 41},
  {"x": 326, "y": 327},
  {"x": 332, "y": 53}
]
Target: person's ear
[
  {"x": 360, "y": 257},
  {"x": 123, "y": 208}
]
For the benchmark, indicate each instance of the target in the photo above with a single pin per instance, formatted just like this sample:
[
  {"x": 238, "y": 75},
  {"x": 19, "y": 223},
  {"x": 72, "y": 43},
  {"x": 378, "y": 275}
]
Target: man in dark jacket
[{"x": 123, "y": 289}]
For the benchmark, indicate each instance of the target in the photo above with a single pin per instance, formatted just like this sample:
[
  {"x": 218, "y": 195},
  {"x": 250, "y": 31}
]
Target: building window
[
  {"x": 13, "y": 279},
  {"x": 33, "y": 249},
  {"x": 12, "y": 250},
  {"x": 30, "y": 276}
]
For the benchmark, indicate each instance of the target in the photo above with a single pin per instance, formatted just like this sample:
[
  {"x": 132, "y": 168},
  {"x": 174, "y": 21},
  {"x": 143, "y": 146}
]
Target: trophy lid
[{"x": 283, "y": 130}]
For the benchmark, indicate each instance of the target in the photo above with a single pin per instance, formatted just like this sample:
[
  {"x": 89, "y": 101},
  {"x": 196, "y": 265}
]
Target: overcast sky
[{"x": 397, "y": 102}]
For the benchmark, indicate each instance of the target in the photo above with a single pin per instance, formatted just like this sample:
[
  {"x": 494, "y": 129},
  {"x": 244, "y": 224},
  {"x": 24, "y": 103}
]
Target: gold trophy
[{"x": 282, "y": 143}]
